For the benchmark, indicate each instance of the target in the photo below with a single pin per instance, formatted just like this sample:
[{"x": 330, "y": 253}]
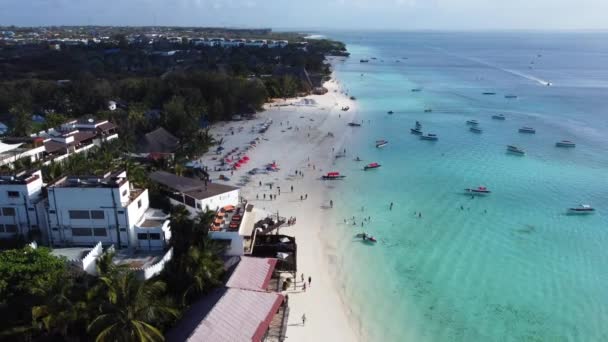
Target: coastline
[{"x": 298, "y": 140}]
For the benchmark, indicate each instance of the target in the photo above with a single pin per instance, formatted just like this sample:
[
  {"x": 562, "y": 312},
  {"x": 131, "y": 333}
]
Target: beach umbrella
[{"x": 246, "y": 158}]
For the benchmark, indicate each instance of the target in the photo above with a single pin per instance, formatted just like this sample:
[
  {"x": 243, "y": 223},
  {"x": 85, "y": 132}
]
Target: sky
[{"x": 314, "y": 14}]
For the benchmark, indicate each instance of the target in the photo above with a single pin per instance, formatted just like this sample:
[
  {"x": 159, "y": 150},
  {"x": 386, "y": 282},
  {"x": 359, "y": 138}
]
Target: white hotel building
[
  {"x": 22, "y": 206},
  {"x": 83, "y": 211}
]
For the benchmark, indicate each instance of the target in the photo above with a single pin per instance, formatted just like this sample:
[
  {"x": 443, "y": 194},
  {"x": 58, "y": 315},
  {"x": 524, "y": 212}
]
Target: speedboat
[
  {"x": 472, "y": 122},
  {"x": 515, "y": 150},
  {"x": 582, "y": 209},
  {"x": 429, "y": 136},
  {"x": 415, "y": 90},
  {"x": 498, "y": 117},
  {"x": 390, "y": 112},
  {"x": 354, "y": 124},
  {"x": 428, "y": 110},
  {"x": 371, "y": 166},
  {"x": 416, "y": 131},
  {"x": 488, "y": 93},
  {"x": 527, "y": 130},
  {"x": 381, "y": 143},
  {"x": 475, "y": 129},
  {"x": 364, "y": 61},
  {"x": 481, "y": 190},
  {"x": 510, "y": 96},
  {"x": 333, "y": 176},
  {"x": 565, "y": 143}
]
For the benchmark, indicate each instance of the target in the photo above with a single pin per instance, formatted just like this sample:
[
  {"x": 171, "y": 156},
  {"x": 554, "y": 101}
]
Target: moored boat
[
  {"x": 498, "y": 117},
  {"x": 381, "y": 143},
  {"x": 488, "y": 93},
  {"x": 415, "y": 131},
  {"x": 333, "y": 176},
  {"x": 565, "y": 143},
  {"x": 390, "y": 112},
  {"x": 366, "y": 237},
  {"x": 582, "y": 209},
  {"x": 354, "y": 124},
  {"x": 480, "y": 190},
  {"x": 428, "y": 110},
  {"x": 515, "y": 150},
  {"x": 371, "y": 166},
  {"x": 475, "y": 129},
  {"x": 415, "y": 90},
  {"x": 472, "y": 122},
  {"x": 527, "y": 130},
  {"x": 510, "y": 96},
  {"x": 429, "y": 136},
  {"x": 364, "y": 60}
]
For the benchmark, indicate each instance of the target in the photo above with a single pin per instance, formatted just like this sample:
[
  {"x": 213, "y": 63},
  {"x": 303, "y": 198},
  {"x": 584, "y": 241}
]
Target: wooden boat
[
  {"x": 429, "y": 136},
  {"x": 565, "y": 143},
  {"x": 371, "y": 166},
  {"x": 333, "y": 176},
  {"x": 527, "y": 130},
  {"x": 475, "y": 129},
  {"x": 498, "y": 117},
  {"x": 381, "y": 143},
  {"x": 481, "y": 190},
  {"x": 366, "y": 237},
  {"x": 415, "y": 131}
]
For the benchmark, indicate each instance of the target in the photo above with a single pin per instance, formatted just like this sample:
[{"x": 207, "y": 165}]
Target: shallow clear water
[{"x": 511, "y": 266}]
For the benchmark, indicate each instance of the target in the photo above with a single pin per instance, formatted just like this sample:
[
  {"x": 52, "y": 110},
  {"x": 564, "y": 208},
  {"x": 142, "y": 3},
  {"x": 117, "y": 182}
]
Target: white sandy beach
[{"x": 298, "y": 140}]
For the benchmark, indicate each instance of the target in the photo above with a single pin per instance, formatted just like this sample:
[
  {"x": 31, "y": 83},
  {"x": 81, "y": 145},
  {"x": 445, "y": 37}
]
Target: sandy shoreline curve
[{"x": 298, "y": 140}]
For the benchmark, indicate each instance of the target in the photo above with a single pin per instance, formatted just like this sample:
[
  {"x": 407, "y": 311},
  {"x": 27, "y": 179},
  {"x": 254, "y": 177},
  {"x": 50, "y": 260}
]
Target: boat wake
[{"x": 498, "y": 67}]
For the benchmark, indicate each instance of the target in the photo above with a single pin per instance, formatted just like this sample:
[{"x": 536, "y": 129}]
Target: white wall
[
  {"x": 62, "y": 200},
  {"x": 219, "y": 201},
  {"x": 28, "y": 207}
]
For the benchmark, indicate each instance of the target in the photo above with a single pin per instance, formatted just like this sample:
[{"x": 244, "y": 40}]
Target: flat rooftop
[
  {"x": 109, "y": 180},
  {"x": 192, "y": 187}
]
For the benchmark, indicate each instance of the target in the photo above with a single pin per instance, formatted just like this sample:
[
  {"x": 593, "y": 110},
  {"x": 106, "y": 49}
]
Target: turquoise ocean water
[{"x": 508, "y": 267}]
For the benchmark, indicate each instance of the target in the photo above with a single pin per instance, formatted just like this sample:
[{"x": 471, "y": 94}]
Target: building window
[
  {"x": 154, "y": 236},
  {"x": 10, "y": 228},
  {"x": 79, "y": 215},
  {"x": 8, "y": 211},
  {"x": 13, "y": 194},
  {"x": 199, "y": 206},
  {"x": 51, "y": 211},
  {"x": 139, "y": 204},
  {"x": 142, "y": 236},
  {"x": 82, "y": 232},
  {"x": 190, "y": 202},
  {"x": 121, "y": 211},
  {"x": 97, "y": 214},
  {"x": 124, "y": 193},
  {"x": 100, "y": 232}
]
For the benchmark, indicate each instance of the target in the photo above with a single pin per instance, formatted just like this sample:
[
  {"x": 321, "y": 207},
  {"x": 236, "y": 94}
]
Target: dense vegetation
[{"x": 43, "y": 298}]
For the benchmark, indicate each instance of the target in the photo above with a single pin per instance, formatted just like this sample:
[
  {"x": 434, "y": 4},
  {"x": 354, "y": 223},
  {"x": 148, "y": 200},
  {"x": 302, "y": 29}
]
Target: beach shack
[{"x": 246, "y": 309}]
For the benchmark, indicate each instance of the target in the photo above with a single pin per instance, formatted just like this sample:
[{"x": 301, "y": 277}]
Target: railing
[
  {"x": 89, "y": 261},
  {"x": 150, "y": 271}
]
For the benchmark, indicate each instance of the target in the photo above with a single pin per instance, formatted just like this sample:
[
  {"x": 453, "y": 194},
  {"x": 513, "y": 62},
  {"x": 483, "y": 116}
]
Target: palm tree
[
  {"x": 204, "y": 269},
  {"x": 61, "y": 313},
  {"x": 130, "y": 309}
]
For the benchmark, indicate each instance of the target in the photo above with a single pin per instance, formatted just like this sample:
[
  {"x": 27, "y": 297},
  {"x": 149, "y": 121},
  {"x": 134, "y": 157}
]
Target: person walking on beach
[
  {"x": 302, "y": 277},
  {"x": 303, "y": 319},
  {"x": 264, "y": 196},
  {"x": 391, "y": 206},
  {"x": 309, "y": 280},
  {"x": 420, "y": 215},
  {"x": 279, "y": 189},
  {"x": 304, "y": 287},
  {"x": 306, "y": 196},
  {"x": 260, "y": 183},
  {"x": 331, "y": 203},
  {"x": 301, "y": 198},
  {"x": 292, "y": 188}
]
